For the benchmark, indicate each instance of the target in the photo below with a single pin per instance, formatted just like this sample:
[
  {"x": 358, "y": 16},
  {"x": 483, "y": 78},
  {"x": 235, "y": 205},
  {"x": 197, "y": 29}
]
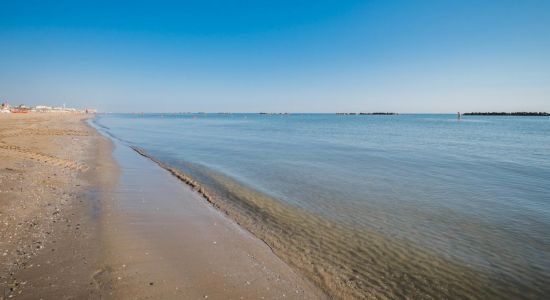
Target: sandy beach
[{"x": 85, "y": 218}]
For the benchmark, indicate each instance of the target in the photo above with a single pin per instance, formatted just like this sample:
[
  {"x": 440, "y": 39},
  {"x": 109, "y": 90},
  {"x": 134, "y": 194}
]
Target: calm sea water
[{"x": 421, "y": 196}]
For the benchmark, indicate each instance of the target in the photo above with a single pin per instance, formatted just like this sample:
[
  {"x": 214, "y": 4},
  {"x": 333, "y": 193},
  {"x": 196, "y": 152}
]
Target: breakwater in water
[{"x": 517, "y": 114}]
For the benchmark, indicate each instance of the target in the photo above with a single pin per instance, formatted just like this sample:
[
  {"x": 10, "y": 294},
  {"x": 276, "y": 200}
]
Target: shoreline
[
  {"x": 84, "y": 224},
  {"x": 87, "y": 215},
  {"x": 167, "y": 238},
  {"x": 344, "y": 262}
]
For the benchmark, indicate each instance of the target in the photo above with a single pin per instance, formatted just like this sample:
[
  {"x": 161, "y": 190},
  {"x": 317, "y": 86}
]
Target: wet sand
[
  {"x": 166, "y": 241},
  {"x": 77, "y": 223}
]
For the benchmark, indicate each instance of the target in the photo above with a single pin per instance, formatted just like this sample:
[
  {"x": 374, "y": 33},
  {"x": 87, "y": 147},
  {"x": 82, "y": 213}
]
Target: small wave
[
  {"x": 106, "y": 130},
  {"x": 96, "y": 122}
]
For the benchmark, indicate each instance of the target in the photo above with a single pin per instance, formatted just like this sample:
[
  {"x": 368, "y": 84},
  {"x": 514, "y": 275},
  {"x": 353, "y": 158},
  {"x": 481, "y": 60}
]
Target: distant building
[
  {"x": 42, "y": 107},
  {"x": 5, "y": 108}
]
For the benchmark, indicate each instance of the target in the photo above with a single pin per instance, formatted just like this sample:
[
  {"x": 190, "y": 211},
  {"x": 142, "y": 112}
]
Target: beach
[
  {"x": 174, "y": 206},
  {"x": 275, "y": 150},
  {"x": 85, "y": 218}
]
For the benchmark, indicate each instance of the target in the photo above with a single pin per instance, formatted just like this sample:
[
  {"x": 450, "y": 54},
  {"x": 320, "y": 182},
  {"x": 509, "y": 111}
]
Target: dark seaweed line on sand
[
  {"x": 192, "y": 183},
  {"x": 199, "y": 189},
  {"x": 178, "y": 174}
]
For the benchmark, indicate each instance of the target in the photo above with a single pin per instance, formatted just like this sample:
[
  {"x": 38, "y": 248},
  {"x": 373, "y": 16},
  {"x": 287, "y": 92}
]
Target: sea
[{"x": 374, "y": 206}]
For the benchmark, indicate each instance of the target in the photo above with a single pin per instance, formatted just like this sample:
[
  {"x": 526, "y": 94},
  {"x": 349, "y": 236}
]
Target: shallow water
[{"x": 396, "y": 206}]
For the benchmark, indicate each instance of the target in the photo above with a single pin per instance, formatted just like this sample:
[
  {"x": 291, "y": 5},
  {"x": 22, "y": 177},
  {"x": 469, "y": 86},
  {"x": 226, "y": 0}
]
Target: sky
[{"x": 277, "y": 56}]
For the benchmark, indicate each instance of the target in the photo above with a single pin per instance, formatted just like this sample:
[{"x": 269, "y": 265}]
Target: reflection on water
[{"x": 398, "y": 206}]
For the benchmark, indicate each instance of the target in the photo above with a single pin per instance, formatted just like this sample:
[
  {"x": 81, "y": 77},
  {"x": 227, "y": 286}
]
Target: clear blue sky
[{"x": 297, "y": 56}]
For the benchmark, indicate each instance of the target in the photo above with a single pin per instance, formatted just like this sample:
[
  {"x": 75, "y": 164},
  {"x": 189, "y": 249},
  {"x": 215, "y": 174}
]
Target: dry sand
[
  {"x": 75, "y": 223},
  {"x": 49, "y": 233}
]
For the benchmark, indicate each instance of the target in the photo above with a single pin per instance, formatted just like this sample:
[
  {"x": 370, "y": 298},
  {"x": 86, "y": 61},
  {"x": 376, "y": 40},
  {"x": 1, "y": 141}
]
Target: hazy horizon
[{"x": 278, "y": 56}]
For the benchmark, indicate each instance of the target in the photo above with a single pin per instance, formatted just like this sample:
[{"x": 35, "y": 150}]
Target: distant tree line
[{"x": 526, "y": 114}]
